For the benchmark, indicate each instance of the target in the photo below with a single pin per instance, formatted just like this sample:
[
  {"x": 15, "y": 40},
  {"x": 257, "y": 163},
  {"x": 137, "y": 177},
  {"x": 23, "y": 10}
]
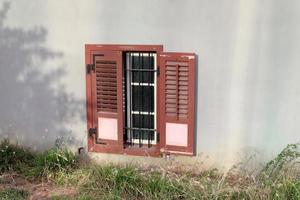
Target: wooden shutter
[
  {"x": 177, "y": 102},
  {"x": 105, "y": 72}
]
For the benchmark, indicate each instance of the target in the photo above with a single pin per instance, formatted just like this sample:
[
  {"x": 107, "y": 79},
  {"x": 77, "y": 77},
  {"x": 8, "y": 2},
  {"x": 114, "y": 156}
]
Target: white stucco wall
[{"x": 248, "y": 90}]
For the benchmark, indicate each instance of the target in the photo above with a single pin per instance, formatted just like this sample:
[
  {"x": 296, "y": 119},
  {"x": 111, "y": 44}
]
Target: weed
[
  {"x": 13, "y": 157},
  {"x": 281, "y": 165},
  {"x": 53, "y": 161},
  {"x": 289, "y": 154}
]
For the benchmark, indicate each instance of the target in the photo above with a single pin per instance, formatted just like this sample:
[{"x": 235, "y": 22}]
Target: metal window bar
[
  {"x": 140, "y": 72},
  {"x": 149, "y": 119}
]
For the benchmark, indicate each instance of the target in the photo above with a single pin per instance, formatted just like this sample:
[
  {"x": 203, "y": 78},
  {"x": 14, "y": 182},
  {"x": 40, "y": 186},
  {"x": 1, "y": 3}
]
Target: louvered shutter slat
[{"x": 106, "y": 84}]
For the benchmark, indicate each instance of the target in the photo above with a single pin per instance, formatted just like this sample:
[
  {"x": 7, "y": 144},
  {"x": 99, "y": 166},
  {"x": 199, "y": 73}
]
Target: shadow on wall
[{"x": 32, "y": 112}]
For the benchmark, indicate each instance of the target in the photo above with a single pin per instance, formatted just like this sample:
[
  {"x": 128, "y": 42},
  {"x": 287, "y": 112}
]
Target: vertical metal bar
[
  {"x": 128, "y": 104},
  {"x": 143, "y": 94},
  {"x": 152, "y": 62},
  {"x": 155, "y": 133},
  {"x": 150, "y": 106},
  {"x": 130, "y": 80},
  {"x": 139, "y": 107}
]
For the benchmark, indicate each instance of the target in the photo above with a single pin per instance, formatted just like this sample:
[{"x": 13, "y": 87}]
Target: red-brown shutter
[
  {"x": 105, "y": 75},
  {"x": 177, "y": 102}
]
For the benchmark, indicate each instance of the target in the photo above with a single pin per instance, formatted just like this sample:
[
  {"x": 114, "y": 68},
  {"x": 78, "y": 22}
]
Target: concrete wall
[{"x": 248, "y": 94}]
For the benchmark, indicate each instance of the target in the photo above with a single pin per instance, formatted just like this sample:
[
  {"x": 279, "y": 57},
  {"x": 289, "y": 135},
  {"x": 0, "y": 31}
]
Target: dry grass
[{"x": 58, "y": 170}]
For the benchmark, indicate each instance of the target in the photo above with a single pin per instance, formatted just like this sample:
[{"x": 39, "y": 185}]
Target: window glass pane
[
  {"x": 142, "y": 62},
  {"x": 143, "y": 134},
  {"x": 143, "y": 98},
  {"x": 142, "y": 77},
  {"x": 143, "y": 121}
]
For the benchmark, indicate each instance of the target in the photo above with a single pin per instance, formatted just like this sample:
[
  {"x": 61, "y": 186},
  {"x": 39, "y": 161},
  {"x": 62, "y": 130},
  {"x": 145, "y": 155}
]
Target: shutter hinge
[
  {"x": 157, "y": 71},
  {"x": 89, "y": 68},
  {"x": 92, "y": 131},
  {"x": 157, "y": 137}
]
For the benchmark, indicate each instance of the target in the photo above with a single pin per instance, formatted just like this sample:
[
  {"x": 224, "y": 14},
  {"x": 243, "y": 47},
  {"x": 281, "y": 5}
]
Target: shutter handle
[{"x": 92, "y": 131}]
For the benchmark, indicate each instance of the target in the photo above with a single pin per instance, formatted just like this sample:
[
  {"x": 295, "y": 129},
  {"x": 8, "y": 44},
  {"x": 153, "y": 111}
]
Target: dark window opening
[{"x": 140, "y": 99}]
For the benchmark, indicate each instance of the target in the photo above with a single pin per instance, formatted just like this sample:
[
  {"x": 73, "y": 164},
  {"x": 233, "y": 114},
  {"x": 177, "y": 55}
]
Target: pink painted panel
[
  {"x": 107, "y": 128},
  {"x": 176, "y": 134}
]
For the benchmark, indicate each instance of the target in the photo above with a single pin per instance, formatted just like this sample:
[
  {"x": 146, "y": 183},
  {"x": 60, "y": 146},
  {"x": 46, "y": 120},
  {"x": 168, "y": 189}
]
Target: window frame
[{"x": 129, "y": 97}]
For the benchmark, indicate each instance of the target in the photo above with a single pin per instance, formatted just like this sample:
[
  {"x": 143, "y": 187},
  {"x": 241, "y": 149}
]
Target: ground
[
  {"x": 59, "y": 174},
  {"x": 34, "y": 189}
]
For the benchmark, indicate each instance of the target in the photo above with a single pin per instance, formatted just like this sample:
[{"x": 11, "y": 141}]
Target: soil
[{"x": 36, "y": 190}]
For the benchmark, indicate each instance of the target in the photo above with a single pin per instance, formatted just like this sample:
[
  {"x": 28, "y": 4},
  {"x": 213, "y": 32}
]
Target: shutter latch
[
  {"x": 157, "y": 71},
  {"x": 89, "y": 68},
  {"x": 92, "y": 131}
]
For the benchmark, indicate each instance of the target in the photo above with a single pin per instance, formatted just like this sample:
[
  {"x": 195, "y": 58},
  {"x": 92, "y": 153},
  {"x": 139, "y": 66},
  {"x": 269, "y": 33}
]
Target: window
[
  {"x": 140, "y": 100},
  {"x": 141, "y": 113}
]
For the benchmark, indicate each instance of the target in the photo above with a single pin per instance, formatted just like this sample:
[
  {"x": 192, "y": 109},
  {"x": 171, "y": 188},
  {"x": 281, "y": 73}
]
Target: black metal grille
[{"x": 139, "y": 78}]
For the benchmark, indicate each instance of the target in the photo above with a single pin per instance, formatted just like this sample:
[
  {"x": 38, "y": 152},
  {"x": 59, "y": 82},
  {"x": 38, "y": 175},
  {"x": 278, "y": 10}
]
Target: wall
[{"x": 248, "y": 94}]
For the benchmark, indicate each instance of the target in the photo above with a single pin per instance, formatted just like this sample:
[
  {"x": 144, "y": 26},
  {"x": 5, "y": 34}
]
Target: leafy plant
[
  {"x": 53, "y": 161},
  {"x": 284, "y": 160},
  {"x": 13, "y": 157}
]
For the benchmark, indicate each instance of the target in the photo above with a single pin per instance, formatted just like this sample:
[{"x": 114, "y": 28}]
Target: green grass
[
  {"x": 278, "y": 179},
  {"x": 17, "y": 159},
  {"x": 52, "y": 162},
  {"x": 13, "y": 194}
]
